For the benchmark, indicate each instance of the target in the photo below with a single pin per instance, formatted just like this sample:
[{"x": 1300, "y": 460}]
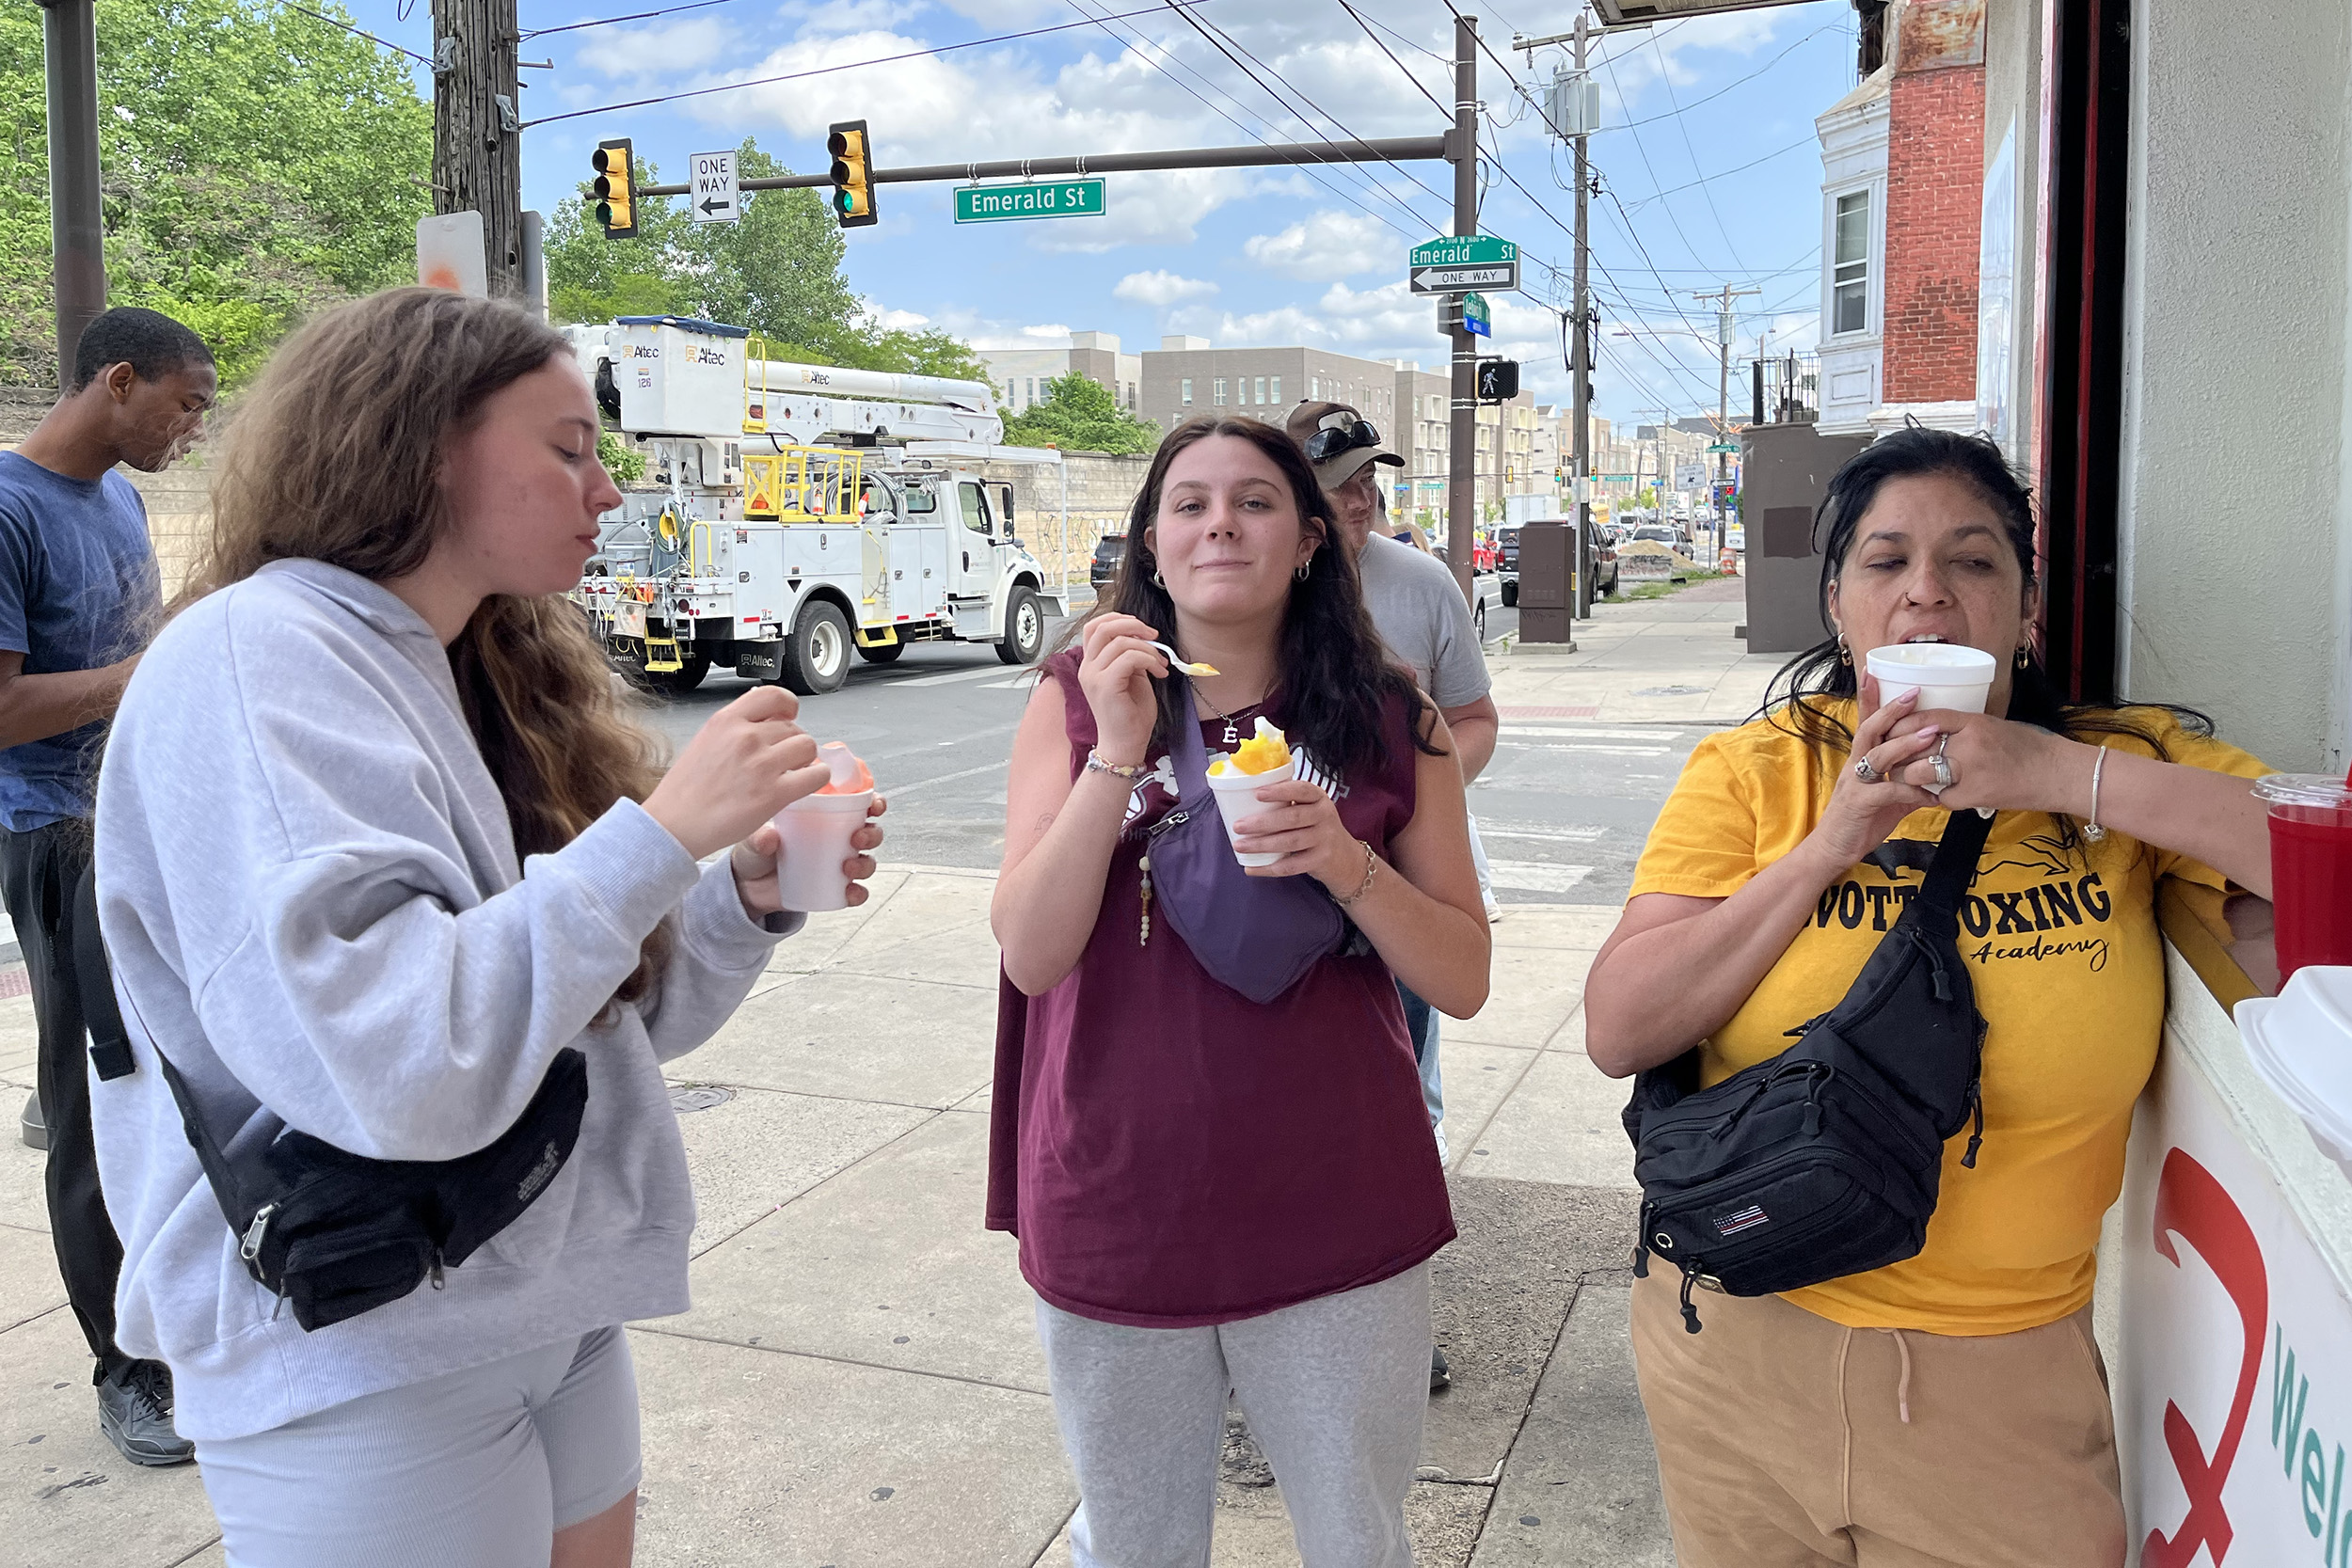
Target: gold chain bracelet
[{"x": 1371, "y": 869}]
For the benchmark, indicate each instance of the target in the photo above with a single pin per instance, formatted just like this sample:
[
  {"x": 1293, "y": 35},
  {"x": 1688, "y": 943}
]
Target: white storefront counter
[{"x": 2227, "y": 1305}]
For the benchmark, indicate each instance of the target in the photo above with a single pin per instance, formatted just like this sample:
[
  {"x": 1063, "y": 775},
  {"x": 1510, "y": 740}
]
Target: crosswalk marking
[
  {"x": 1548, "y": 835},
  {"x": 1600, "y": 749},
  {"x": 1581, "y": 732}
]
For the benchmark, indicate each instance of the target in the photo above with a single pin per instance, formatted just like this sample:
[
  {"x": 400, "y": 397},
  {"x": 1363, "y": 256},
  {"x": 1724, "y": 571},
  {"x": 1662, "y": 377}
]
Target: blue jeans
[{"x": 1421, "y": 1022}]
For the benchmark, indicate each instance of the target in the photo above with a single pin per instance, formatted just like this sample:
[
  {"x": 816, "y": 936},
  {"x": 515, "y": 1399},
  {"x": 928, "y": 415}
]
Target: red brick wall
[{"x": 1934, "y": 203}]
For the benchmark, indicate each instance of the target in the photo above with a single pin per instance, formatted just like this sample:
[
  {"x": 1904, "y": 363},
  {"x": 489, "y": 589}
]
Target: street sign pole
[{"x": 1461, "y": 500}]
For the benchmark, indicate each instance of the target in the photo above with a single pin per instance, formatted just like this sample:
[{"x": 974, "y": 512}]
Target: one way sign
[{"x": 713, "y": 194}]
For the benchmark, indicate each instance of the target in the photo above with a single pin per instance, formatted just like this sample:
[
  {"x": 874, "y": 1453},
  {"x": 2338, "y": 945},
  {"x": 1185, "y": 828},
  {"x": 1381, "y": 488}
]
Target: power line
[
  {"x": 851, "y": 65},
  {"x": 1665, "y": 81},
  {"x": 1683, "y": 108},
  {"x": 1726, "y": 174},
  {"x": 359, "y": 32},
  {"x": 608, "y": 21}
]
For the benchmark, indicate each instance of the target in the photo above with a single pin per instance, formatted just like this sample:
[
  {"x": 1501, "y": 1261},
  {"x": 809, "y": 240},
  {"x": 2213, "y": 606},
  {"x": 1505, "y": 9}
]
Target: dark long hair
[
  {"x": 1798, "y": 699},
  {"x": 1335, "y": 673}
]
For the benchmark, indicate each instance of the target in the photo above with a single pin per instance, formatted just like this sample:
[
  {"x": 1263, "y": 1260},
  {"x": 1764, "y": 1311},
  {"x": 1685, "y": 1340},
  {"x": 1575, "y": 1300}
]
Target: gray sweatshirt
[{"x": 307, "y": 884}]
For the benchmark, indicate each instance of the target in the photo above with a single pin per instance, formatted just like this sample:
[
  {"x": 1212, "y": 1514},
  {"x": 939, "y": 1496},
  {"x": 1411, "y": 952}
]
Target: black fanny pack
[
  {"x": 330, "y": 1233},
  {"x": 1824, "y": 1160}
]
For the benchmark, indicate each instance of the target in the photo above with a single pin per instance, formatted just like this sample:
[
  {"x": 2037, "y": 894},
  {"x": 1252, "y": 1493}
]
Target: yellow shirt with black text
[{"x": 2060, "y": 938}]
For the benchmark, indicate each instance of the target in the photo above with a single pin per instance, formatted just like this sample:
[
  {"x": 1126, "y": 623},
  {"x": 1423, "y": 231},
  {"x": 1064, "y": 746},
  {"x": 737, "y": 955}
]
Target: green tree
[
  {"x": 1079, "y": 414},
  {"x": 777, "y": 271},
  {"x": 259, "y": 165}
]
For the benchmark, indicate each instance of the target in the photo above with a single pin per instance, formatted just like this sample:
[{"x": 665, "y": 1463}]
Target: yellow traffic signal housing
[
  {"x": 615, "y": 188},
  {"x": 852, "y": 173}
]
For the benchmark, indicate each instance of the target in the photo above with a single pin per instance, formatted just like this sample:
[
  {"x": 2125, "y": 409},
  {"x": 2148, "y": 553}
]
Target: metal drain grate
[{"x": 698, "y": 1097}]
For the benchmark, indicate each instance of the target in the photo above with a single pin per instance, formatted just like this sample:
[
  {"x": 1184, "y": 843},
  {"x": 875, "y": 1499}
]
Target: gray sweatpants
[{"x": 1334, "y": 1390}]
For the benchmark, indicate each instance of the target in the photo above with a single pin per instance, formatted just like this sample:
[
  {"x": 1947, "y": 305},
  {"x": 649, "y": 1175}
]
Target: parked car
[{"x": 1108, "y": 551}]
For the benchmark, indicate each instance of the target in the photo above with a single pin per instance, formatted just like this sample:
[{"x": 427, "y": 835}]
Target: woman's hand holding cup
[
  {"x": 746, "y": 764},
  {"x": 756, "y": 861},
  {"x": 1116, "y": 672},
  {"x": 1867, "y": 806}
]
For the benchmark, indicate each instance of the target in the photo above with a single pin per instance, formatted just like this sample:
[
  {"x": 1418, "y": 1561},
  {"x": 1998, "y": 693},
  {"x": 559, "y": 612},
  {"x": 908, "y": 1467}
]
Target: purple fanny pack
[{"x": 1259, "y": 935}]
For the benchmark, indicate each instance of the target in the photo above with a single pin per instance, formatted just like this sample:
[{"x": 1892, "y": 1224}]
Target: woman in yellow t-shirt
[{"x": 1950, "y": 1409}]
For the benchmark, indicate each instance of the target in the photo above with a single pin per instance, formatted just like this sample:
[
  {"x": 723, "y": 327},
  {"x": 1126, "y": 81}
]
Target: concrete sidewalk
[{"x": 859, "y": 1384}]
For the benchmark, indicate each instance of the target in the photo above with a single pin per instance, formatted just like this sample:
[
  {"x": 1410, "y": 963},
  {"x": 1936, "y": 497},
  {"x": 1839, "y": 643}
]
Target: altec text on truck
[{"x": 793, "y": 513}]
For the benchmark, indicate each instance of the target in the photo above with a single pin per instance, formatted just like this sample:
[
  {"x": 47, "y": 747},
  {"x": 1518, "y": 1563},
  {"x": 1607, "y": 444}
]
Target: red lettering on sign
[{"x": 2190, "y": 1202}]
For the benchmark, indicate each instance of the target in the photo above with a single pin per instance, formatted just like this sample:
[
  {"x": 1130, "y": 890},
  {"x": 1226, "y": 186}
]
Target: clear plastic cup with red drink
[{"x": 2311, "y": 867}]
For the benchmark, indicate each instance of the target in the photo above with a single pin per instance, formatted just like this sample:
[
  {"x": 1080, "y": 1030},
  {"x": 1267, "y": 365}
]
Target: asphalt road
[{"x": 1563, "y": 809}]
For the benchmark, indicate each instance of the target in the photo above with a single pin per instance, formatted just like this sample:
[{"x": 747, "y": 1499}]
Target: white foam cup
[
  {"x": 1237, "y": 798},
  {"x": 817, "y": 830},
  {"x": 1948, "y": 676}
]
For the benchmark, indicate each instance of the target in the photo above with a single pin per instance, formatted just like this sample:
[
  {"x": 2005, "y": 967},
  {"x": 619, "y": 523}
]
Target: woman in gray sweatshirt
[{"x": 375, "y": 840}]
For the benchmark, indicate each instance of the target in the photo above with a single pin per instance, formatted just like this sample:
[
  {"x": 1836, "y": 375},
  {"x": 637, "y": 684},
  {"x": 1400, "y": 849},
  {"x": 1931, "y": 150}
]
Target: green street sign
[
  {"x": 1462, "y": 263},
  {"x": 1035, "y": 198},
  {"x": 1477, "y": 316},
  {"x": 1731, "y": 447},
  {"x": 1463, "y": 250}
]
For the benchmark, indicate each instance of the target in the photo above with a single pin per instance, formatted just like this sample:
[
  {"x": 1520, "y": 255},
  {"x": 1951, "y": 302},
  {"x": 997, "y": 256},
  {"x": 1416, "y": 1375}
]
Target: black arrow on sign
[{"x": 712, "y": 204}]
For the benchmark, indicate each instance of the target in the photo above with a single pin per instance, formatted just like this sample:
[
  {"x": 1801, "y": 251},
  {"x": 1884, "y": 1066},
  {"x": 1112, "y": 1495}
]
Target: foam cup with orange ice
[
  {"x": 1264, "y": 758},
  {"x": 817, "y": 831}
]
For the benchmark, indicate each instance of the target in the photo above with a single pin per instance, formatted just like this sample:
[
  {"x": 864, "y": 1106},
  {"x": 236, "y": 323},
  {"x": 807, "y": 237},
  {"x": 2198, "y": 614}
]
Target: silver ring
[
  {"x": 1863, "y": 771},
  {"x": 1944, "y": 777},
  {"x": 1941, "y": 741}
]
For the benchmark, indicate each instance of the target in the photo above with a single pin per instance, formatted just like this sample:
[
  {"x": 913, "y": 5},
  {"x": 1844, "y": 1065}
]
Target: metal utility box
[
  {"x": 1785, "y": 471},
  {"x": 1546, "y": 580}
]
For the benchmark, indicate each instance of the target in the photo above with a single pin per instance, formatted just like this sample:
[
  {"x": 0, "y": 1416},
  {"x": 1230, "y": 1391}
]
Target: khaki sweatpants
[{"x": 1782, "y": 1443}]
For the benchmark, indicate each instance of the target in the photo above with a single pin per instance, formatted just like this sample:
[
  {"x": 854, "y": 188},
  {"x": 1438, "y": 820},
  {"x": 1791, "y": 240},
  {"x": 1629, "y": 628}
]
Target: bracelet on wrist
[
  {"x": 1371, "y": 869},
  {"x": 1097, "y": 763}
]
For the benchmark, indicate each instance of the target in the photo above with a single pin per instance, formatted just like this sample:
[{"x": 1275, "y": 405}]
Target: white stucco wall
[{"x": 2236, "y": 549}]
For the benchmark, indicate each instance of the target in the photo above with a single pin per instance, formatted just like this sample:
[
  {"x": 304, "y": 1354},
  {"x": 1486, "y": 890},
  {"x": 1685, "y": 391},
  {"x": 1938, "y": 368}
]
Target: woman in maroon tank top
[{"x": 1214, "y": 1195}]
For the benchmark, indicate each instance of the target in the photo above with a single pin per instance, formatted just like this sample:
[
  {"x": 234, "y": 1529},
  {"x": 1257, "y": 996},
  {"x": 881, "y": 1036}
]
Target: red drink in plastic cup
[{"x": 2311, "y": 867}]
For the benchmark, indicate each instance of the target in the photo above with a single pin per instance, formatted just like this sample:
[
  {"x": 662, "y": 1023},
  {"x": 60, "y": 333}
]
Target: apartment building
[
  {"x": 1023, "y": 375},
  {"x": 1188, "y": 377},
  {"x": 1422, "y": 432}
]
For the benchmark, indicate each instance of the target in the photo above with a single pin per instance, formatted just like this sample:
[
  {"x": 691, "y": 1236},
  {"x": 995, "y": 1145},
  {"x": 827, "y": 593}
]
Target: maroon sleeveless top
[{"x": 1171, "y": 1153}]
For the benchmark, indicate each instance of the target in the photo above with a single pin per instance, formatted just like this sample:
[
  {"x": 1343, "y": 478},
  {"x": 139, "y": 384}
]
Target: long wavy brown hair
[{"x": 336, "y": 455}]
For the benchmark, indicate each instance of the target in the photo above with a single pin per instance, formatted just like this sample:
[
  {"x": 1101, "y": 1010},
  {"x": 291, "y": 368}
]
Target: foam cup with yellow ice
[{"x": 1262, "y": 759}]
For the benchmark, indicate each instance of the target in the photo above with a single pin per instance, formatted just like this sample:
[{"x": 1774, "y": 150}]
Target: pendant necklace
[{"x": 1232, "y": 733}]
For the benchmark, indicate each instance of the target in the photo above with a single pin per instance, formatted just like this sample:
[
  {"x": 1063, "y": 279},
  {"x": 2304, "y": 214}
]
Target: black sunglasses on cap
[{"x": 1327, "y": 443}]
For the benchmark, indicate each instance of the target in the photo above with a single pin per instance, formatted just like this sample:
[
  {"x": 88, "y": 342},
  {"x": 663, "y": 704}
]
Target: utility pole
[
  {"x": 1581, "y": 360},
  {"x": 70, "y": 46},
  {"x": 1461, "y": 508},
  {"x": 477, "y": 129},
  {"x": 1722, "y": 300}
]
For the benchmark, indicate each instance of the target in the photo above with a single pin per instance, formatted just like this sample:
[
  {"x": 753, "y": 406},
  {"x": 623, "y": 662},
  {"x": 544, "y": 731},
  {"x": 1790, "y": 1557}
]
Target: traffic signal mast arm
[{"x": 1387, "y": 149}]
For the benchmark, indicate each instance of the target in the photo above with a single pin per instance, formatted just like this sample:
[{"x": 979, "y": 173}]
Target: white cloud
[
  {"x": 1161, "y": 289},
  {"x": 644, "y": 52},
  {"x": 1323, "y": 245}
]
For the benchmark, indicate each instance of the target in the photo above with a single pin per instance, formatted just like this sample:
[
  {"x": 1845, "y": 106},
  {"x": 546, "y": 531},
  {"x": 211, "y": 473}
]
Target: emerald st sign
[
  {"x": 1477, "y": 317},
  {"x": 1462, "y": 263},
  {"x": 1037, "y": 198}
]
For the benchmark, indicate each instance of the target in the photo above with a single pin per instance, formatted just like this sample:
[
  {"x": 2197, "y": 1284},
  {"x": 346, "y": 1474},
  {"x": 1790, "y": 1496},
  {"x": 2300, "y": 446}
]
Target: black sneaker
[
  {"x": 1440, "y": 1375},
  {"x": 134, "y": 1413}
]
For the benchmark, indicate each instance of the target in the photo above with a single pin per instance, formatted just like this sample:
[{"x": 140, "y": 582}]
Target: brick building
[{"x": 1901, "y": 207}]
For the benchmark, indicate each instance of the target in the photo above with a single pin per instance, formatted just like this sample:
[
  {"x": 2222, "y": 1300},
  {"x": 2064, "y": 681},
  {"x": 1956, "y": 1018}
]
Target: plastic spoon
[{"x": 1189, "y": 668}]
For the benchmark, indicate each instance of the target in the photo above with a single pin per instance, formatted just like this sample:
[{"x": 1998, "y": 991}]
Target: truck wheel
[
  {"x": 1024, "y": 628},
  {"x": 678, "y": 682},
  {"x": 1510, "y": 595},
  {"x": 816, "y": 655},
  {"x": 887, "y": 653}
]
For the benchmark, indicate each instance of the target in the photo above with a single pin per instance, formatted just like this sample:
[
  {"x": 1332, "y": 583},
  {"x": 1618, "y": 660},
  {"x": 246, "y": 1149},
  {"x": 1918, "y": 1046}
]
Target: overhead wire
[
  {"x": 1665, "y": 80},
  {"x": 530, "y": 33},
  {"x": 849, "y": 65},
  {"x": 359, "y": 32}
]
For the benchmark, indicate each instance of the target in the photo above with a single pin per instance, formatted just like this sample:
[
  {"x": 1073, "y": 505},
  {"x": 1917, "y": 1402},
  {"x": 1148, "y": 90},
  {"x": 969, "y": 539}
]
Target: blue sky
[{"x": 1714, "y": 112}]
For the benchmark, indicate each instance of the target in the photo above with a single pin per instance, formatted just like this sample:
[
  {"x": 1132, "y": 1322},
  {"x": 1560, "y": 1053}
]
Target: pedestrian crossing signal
[
  {"x": 615, "y": 189},
  {"x": 1497, "y": 380},
  {"x": 852, "y": 174}
]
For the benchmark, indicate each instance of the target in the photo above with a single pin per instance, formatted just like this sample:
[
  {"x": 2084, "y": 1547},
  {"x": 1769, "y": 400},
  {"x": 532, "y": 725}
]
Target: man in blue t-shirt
[{"x": 78, "y": 599}]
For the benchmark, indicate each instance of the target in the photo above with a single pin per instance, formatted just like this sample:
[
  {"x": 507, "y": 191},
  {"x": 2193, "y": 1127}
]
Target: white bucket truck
[{"x": 793, "y": 513}]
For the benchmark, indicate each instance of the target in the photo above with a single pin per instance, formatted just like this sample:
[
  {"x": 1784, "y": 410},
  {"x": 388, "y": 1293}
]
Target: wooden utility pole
[
  {"x": 1461, "y": 491},
  {"x": 1580, "y": 359},
  {"x": 1722, "y": 300},
  {"x": 70, "y": 46},
  {"x": 477, "y": 129}
]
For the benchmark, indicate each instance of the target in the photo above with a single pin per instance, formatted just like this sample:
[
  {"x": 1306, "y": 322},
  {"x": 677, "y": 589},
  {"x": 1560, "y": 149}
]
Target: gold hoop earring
[
  {"x": 1844, "y": 657},
  {"x": 2025, "y": 656}
]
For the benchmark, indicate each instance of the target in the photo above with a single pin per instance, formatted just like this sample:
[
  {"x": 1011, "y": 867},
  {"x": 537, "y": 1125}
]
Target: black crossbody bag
[
  {"x": 330, "y": 1233},
  {"x": 1824, "y": 1160}
]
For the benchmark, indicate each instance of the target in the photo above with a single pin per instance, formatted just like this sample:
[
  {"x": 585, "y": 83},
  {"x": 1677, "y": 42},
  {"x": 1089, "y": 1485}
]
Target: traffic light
[
  {"x": 852, "y": 173},
  {"x": 1497, "y": 380},
  {"x": 615, "y": 188}
]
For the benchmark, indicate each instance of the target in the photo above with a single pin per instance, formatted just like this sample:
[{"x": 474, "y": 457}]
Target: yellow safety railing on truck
[
  {"x": 803, "y": 484},
  {"x": 754, "y": 398}
]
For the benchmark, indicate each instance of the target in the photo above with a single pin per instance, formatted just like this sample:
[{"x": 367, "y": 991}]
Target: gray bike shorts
[{"x": 476, "y": 1468}]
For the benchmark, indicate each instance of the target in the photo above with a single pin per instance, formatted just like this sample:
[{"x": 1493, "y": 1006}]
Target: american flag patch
[{"x": 1746, "y": 1219}]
